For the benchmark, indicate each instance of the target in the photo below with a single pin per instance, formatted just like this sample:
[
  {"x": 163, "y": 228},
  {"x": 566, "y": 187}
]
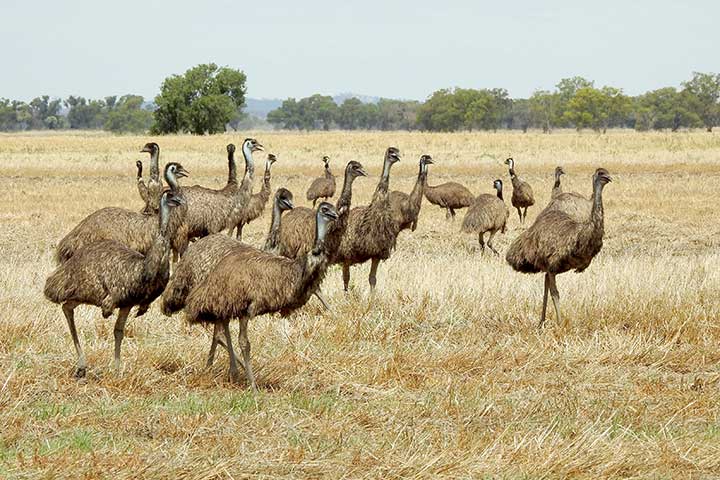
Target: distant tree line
[
  {"x": 208, "y": 99},
  {"x": 575, "y": 103},
  {"x": 124, "y": 114}
]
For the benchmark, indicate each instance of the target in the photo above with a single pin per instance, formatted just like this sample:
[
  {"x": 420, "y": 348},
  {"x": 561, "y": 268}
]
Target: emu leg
[
  {"x": 545, "y": 295},
  {"x": 119, "y": 334},
  {"x": 245, "y": 347},
  {"x": 314, "y": 201},
  {"x": 447, "y": 214},
  {"x": 519, "y": 215},
  {"x": 324, "y": 302},
  {"x": 525, "y": 215},
  {"x": 346, "y": 275},
  {"x": 213, "y": 345},
  {"x": 234, "y": 374},
  {"x": 68, "y": 309},
  {"x": 482, "y": 242},
  {"x": 556, "y": 298},
  {"x": 239, "y": 231},
  {"x": 490, "y": 244},
  {"x": 372, "y": 279},
  {"x": 452, "y": 213}
]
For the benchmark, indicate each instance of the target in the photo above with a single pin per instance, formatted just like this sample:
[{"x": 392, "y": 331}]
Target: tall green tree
[
  {"x": 202, "y": 100},
  {"x": 706, "y": 88},
  {"x": 666, "y": 108}
]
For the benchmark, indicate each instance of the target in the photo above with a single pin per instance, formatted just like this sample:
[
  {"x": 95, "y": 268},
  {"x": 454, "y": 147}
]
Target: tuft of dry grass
[{"x": 442, "y": 373}]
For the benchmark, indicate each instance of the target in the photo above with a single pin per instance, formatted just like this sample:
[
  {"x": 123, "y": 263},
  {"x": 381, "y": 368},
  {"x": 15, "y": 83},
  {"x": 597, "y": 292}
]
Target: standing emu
[
  {"x": 211, "y": 211},
  {"x": 249, "y": 282},
  {"x": 406, "y": 208},
  {"x": 558, "y": 242},
  {"x": 110, "y": 275},
  {"x": 522, "y": 196},
  {"x": 257, "y": 202},
  {"x": 202, "y": 256},
  {"x": 572, "y": 203},
  {"x": 323, "y": 187},
  {"x": 154, "y": 185},
  {"x": 133, "y": 229},
  {"x": 449, "y": 195},
  {"x": 487, "y": 214},
  {"x": 371, "y": 230}
]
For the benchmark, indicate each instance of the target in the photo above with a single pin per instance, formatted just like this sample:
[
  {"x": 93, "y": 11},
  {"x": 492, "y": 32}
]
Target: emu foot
[{"x": 80, "y": 372}]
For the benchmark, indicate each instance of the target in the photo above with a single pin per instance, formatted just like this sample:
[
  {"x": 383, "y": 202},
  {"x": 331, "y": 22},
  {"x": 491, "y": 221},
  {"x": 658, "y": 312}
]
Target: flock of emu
[{"x": 118, "y": 258}]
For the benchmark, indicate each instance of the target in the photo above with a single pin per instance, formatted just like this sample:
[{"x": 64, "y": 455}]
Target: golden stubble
[{"x": 440, "y": 373}]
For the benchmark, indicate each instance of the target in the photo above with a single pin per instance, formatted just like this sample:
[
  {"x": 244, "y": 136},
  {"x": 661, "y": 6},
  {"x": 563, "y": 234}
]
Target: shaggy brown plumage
[
  {"x": 142, "y": 188},
  {"x": 450, "y": 195},
  {"x": 487, "y": 214},
  {"x": 133, "y": 229},
  {"x": 406, "y": 208},
  {"x": 522, "y": 196},
  {"x": 257, "y": 201},
  {"x": 211, "y": 211},
  {"x": 203, "y": 255},
  {"x": 557, "y": 188},
  {"x": 154, "y": 185},
  {"x": 371, "y": 231},
  {"x": 297, "y": 233},
  {"x": 249, "y": 282},
  {"x": 558, "y": 242},
  {"x": 110, "y": 275},
  {"x": 323, "y": 187}
]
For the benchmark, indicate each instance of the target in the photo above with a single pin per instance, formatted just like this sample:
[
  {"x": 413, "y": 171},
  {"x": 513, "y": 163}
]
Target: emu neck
[
  {"x": 266, "y": 176},
  {"x": 320, "y": 233},
  {"x": 556, "y": 186},
  {"x": 328, "y": 173},
  {"x": 139, "y": 174},
  {"x": 271, "y": 241},
  {"x": 385, "y": 179},
  {"x": 157, "y": 257},
  {"x": 232, "y": 169},
  {"x": 249, "y": 168},
  {"x": 345, "y": 198},
  {"x": 512, "y": 172},
  {"x": 154, "y": 160},
  {"x": 172, "y": 181},
  {"x": 597, "y": 212},
  {"x": 499, "y": 194},
  {"x": 419, "y": 189}
]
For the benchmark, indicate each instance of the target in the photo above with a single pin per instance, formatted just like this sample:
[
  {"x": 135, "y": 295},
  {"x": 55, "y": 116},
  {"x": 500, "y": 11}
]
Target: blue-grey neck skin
[
  {"x": 321, "y": 225},
  {"x": 248, "y": 154},
  {"x": 386, "y": 169},
  {"x": 171, "y": 180}
]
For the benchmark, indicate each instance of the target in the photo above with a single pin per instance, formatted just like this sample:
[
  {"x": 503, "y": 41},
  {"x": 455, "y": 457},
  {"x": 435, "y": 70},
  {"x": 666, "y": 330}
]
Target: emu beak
[
  {"x": 429, "y": 161},
  {"x": 362, "y": 172},
  {"x": 145, "y": 150},
  {"x": 182, "y": 173},
  {"x": 609, "y": 178},
  {"x": 258, "y": 148},
  {"x": 289, "y": 204},
  {"x": 332, "y": 214}
]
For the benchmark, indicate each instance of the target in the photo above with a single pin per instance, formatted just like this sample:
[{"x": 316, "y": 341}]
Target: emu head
[
  {"x": 151, "y": 147},
  {"x": 355, "y": 169},
  {"x": 284, "y": 199}
]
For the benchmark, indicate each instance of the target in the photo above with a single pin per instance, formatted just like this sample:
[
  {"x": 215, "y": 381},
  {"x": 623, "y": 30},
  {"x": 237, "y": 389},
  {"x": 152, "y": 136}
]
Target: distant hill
[{"x": 260, "y": 107}]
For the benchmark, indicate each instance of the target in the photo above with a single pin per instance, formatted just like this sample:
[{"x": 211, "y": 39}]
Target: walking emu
[
  {"x": 203, "y": 255},
  {"x": 487, "y": 214},
  {"x": 133, "y": 229},
  {"x": 211, "y": 211},
  {"x": 323, "y": 187},
  {"x": 249, "y": 282},
  {"x": 371, "y": 230},
  {"x": 110, "y": 275},
  {"x": 406, "y": 208},
  {"x": 449, "y": 195},
  {"x": 558, "y": 242},
  {"x": 522, "y": 196}
]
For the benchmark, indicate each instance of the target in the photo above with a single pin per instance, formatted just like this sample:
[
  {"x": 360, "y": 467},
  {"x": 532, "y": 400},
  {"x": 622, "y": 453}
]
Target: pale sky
[{"x": 397, "y": 49}]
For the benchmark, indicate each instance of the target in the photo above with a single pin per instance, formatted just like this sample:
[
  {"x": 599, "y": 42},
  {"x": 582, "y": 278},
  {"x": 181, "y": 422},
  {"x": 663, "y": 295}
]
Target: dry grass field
[{"x": 441, "y": 374}]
